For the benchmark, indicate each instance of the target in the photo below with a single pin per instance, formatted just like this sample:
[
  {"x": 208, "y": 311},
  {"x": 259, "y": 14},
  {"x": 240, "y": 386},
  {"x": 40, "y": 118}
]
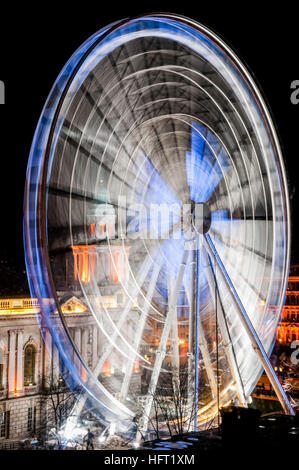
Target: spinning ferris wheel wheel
[{"x": 156, "y": 193}]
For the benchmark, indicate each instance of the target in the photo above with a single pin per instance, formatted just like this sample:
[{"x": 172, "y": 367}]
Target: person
[
  {"x": 89, "y": 440},
  {"x": 235, "y": 402}
]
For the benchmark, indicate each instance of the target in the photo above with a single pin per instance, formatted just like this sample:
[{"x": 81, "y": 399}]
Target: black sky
[{"x": 36, "y": 43}]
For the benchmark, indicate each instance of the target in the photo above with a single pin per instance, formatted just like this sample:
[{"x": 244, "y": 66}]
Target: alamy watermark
[
  {"x": 295, "y": 354},
  {"x": 149, "y": 221},
  {"x": 2, "y": 92},
  {"x": 295, "y": 93}
]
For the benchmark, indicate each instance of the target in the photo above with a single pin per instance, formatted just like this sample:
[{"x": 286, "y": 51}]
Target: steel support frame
[
  {"x": 249, "y": 329},
  {"x": 228, "y": 347}
]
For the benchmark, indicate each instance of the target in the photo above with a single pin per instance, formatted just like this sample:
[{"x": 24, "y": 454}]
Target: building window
[
  {"x": 4, "y": 430},
  {"x": 62, "y": 372},
  {"x": 29, "y": 365},
  {"x": 31, "y": 419}
]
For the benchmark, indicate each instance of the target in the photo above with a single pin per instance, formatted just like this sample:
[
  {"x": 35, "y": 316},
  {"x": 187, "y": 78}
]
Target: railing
[
  {"x": 14, "y": 445},
  {"x": 15, "y": 304}
]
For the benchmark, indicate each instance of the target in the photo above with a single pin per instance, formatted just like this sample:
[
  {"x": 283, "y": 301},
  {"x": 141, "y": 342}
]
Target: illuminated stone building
[
  {"x": 287, "y": 332},
  {"x": 27, "y": 366},
  {"x": 288, "y": 329}
]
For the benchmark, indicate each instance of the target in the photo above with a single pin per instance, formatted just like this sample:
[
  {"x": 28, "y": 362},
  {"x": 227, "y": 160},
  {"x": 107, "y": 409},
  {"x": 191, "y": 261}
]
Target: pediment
[{"x": 73, "y": 305}]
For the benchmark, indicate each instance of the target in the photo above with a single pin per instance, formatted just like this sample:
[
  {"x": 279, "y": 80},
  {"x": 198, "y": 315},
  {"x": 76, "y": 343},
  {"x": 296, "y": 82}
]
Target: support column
[
  {"x": 75, "y": 266},
  {"x": 227, "y": 343},
  {"x": 94, "y": 346},
  {"x": 84, "y": 341},
  {"x": 191, "y": 343},
  {"x": 250, "y": 331},
  {"x": 78, "y": 339},
  {"x": 175, "y": 349},
  {"x": 46, "y": 372},
  {"x": 12, "y": 362},
  {"x": 20, "y": 363},
  {"x": 99, "y": 343},
  {"x": 80, "y": 265},
  {"x": 55, "y": 365}
]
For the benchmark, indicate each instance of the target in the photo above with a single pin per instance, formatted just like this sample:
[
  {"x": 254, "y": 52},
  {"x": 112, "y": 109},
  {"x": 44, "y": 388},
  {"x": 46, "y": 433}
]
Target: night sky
[{"x": 35, "y": 44}]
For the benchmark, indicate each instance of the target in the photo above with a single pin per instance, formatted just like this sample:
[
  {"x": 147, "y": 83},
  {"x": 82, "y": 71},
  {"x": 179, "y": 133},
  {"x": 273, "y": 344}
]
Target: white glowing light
[{"x": 138, "y": 139}]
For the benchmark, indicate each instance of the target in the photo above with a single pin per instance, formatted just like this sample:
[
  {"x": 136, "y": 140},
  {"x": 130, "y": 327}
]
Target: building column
[
  {"x": 80, "y": 265},
  {"x": 85, "y": 333},
  {"x": 20, "y": 363},
  {"x": 55, "y": 357},
  {"x": 99, "y": 342},
  {"x": 5, "y": 369},
  {"x": 77, "y": 338},
  {"x": 12, "y": 362},
  {"x": 94, "y": 346},
  {"x": 75, "y": 265},
  {"x": 84, "y": 342}
]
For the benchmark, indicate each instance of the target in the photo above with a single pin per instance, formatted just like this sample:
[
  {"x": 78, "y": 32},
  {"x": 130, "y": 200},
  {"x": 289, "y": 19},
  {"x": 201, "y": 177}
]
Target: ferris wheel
[{"x": 156, "y": 193}]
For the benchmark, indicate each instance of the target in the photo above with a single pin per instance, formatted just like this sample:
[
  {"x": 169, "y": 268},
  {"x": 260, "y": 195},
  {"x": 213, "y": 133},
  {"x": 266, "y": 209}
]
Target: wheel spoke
[
  {"x": 160, "y": 354},
  {"x": 139, "y": 331}
]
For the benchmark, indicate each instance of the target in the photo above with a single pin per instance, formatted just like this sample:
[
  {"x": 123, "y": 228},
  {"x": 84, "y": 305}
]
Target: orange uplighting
[
  {"x": 115, "y": 266},
  {"x": 84, "y": 276},
  {"x": 182, "y": 341},
  {"x": 106, "y": 370},
  {"x": 72, "y": 306},
  {"x": 136, "y": 367},
  {"x": 83, "y": 374},
  {"x": 92, "y": 229},
  {"x": 84, "y": 262},
  {"x": 102, "y": 229}
]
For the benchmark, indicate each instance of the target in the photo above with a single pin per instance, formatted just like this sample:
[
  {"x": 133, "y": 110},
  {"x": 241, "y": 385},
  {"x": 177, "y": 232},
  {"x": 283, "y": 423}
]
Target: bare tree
[
  {"x": 56, "y": 404},
  {"x": 172, "y": 411}
]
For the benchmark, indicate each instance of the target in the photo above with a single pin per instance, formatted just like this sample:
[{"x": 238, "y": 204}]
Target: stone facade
[
  {"x": 21, "y": 341},
  {"x": 288, "y": 330}
]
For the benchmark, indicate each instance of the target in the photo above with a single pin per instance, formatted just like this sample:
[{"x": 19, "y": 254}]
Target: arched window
[
  {"x": 29, "y": 365},
  {"x": 62, "y": 371}
]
